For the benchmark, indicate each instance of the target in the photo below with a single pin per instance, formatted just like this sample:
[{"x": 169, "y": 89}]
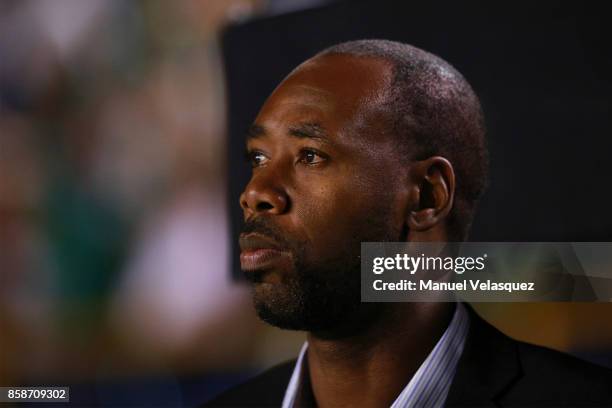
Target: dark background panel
[{"x": 541, "y": 69}]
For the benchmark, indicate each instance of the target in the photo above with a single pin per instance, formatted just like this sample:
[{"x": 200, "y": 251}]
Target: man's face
[{"x": 325, "y": 178}]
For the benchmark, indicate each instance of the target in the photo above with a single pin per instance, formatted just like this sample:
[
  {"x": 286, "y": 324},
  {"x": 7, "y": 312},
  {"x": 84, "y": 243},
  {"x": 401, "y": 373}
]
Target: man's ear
[{"x": 432, "y": 193}]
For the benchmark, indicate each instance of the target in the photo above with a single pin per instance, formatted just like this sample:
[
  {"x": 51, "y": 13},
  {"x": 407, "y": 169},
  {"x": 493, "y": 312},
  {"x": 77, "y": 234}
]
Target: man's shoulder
[
  {"x": 496, "y": 368},
  {"x": 264, "y": 390},
  {"x": 558, "y": 363},
  {"x": 550, "y": 375}
]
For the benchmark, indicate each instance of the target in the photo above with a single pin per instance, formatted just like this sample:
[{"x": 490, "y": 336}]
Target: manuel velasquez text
[{"x": 466, "y": 284}]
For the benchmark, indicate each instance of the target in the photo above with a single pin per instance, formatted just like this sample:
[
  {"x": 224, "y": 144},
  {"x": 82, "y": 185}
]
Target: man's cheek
[{"x": 331, "y": 211}]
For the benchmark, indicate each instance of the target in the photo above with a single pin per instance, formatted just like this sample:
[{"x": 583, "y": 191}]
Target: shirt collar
[{"x": 430, "y": 384}]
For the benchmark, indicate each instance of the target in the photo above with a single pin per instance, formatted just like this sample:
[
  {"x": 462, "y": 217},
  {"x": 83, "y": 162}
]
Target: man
[{"x": 378, "y": 141}]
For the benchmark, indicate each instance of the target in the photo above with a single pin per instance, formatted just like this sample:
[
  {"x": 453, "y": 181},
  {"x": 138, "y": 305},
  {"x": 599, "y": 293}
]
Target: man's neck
[{"x": 372, "y": 367}]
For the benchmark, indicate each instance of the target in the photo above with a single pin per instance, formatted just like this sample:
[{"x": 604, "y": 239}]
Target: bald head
[{"x": 432, "y": 111}]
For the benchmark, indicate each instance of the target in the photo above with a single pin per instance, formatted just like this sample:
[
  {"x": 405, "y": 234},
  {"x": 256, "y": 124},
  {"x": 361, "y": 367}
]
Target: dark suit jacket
[{"x": 494, "y": 370}]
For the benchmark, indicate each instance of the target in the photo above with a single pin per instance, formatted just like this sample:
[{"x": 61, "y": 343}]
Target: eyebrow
[
  {"x": 304, "y": 130},
  {"x": 255, "y": 131},
  {"x": 309, "y": 130}
]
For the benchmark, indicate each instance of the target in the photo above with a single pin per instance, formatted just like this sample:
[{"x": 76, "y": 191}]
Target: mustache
[{"x": 267, "y": 228}]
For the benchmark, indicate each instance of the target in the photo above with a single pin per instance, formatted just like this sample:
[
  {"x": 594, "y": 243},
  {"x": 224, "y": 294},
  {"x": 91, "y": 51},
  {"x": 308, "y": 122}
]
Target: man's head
[{"x": 367, "y": 141}]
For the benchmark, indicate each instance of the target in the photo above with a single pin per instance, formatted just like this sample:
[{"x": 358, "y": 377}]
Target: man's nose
[{"x": 260, "y": 197}]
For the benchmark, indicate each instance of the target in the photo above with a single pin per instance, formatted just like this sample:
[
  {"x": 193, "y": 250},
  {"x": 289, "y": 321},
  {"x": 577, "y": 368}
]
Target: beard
[{"x": 320, "y": 295}]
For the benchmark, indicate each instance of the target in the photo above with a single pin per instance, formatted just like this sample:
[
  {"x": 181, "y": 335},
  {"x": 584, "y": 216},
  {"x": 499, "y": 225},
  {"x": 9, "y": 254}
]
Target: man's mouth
[{"x": 258, "y": 252}]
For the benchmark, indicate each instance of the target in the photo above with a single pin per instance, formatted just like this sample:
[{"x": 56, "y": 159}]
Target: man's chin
[
  {"x": 276, "y": 304},
  {"x": 268, "y": 292},
  {"x": 285, "y": 321},
  {"x": 286, "y": 307}
]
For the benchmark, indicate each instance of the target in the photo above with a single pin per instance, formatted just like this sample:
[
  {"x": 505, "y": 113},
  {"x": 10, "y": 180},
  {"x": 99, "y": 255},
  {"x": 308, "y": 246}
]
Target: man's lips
[
  {"x": 259, "y": 259},
  {"x": 259, "y": 252}
]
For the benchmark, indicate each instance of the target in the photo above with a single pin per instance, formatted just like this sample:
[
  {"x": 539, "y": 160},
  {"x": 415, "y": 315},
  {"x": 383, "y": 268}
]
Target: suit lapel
[{"x": 488, "y": 366}]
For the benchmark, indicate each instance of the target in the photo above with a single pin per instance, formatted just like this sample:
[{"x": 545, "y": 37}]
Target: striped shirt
[{"x": 430, "y": 384}]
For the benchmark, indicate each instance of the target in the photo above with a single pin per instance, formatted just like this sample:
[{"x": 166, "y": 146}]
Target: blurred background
[
  {"x": 121, "y": 140},
  {"x": 114, "y": 260}
]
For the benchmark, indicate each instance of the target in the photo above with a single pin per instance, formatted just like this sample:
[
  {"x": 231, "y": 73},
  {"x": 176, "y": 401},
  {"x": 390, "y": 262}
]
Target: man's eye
[
  {"x": 311, "y": 157},
  {"x": 256, "y": 158}
]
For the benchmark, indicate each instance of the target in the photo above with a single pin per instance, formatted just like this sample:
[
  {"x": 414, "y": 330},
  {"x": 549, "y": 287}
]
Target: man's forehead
[
  {"x": 335, "y": 87},
  {"x": 341, "y": 75},
  {"x": 304, "y": 93}
]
